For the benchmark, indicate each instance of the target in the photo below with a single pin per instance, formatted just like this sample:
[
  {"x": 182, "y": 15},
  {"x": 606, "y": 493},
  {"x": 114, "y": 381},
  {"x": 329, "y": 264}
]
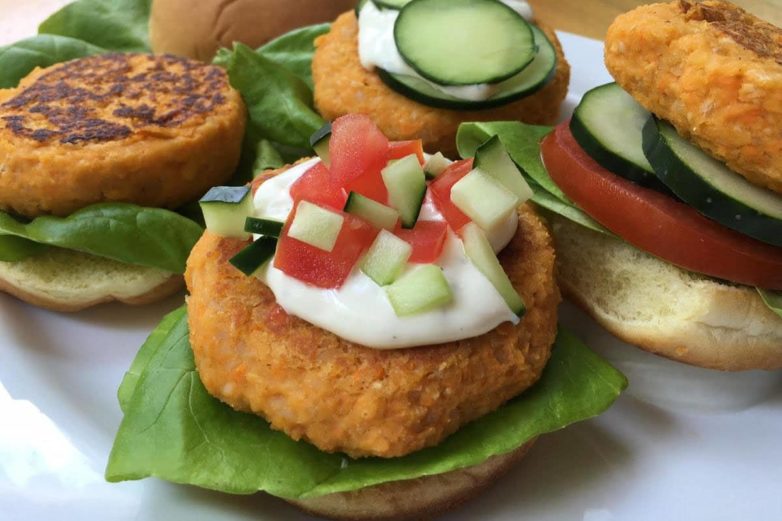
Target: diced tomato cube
[
  {"x": 400, "y": 149},
  {"x": 370, "y": 185},
  {"x": 321, "y": 268},
  {"x": 356, "y": 147},
  {"x": 441, "y": 193},
  {"x": 427, "y": 239},
  {"x": 318, "y": 186}
]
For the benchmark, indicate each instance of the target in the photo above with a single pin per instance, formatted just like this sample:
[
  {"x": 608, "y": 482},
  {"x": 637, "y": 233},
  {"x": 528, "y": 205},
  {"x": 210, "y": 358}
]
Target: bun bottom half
[
  {"x": 69, "y": 281},
  {"x": 664, "y": 309},
  {"x": 422, "y": 498}
]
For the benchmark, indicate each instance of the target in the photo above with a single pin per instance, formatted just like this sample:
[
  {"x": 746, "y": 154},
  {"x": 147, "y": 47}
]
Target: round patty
[
  {"x": 151, "y": 130},
  {"x": 343, "y": 86},
  {"x": 712, "y": 70},
  {"x": 342, "y": 396}
]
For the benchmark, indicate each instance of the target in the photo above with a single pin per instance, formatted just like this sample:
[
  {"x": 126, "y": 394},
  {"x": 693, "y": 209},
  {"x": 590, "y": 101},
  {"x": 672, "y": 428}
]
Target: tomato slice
[
  {"x": 316, "y": 185},
  {"x": 321, "y": 268},
  {"x": 441, "y": 192},
  {"x": 400, "y": 149},
  {"x": 657, "y": 223},
  {"x": 427, "y": 239}
]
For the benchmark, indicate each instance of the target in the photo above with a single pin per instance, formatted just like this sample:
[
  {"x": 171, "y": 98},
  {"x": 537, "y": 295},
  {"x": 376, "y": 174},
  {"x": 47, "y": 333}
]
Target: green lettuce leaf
[
  {"x": 14, "y": 248},
  {"x": 294, "y": 50},
  {"x": 173, "y": 429},
  {"x": 19, "y": 59},
  {"x": 552, "y": 204},
  {"x": 115, "y": 25},
  {"x": 127, "y": 233},
  {"x": 773, "y": 299}
]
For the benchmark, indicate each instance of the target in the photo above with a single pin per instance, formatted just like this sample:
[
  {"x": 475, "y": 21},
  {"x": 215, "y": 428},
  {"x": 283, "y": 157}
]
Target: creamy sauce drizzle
[{"x": 360, "y": 312}]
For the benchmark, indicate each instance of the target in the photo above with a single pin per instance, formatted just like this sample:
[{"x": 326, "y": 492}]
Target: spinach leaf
[
  {"x": 19, "y": 59},
  {"x": 773, "y": 299},
  {"x": 127, "y": 233},
  {"x": 173, "y": 429},
  {"x": 115, "y": 25},
  {"x": 294, "y": 50}
]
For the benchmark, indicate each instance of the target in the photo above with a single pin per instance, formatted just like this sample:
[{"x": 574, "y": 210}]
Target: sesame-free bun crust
[
  {"x": 712, "y": 70},
  {"x": 344, "y": 397},
  {"x": 151, "y": 130},
  {"x": 67, "y": 281},
  {"x": 198, "y": 29},
  {"x": 663, "y": 309},
  {"x": 343, "y": 86},
  {"x": 422, "y": 498}
]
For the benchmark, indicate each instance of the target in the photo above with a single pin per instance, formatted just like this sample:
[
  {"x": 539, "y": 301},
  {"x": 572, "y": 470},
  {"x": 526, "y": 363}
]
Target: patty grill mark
[{"x": 109, "y": 97}]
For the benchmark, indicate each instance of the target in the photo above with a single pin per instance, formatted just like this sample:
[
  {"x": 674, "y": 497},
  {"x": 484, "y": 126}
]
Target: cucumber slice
[
  {"x": 406, "y": 185},
  {"x": 263, "y": 226},
  {"x": 319, "y": 141},
  {"x": 421, "y": 289},
  {"x": 391, "y": 4},
  {"x": 492, "y": 159},
  {"x": 464, "y": 42},
  {"x": 225, "y": 209},
  {"x": 533, "y": 78},
  {"x": 316, "y": 226},
  {"x": 250, "y": 260},
  {"x": 483, "y": 199},
  {"x": 386, "y": 258},
  {"x": 376, "y": 214},
  {"x": 435, "y": 165},
  {"x": 711, "y": 187},
  {"x": 480, "y": 252},
  {"x": 608, "y": 124}
]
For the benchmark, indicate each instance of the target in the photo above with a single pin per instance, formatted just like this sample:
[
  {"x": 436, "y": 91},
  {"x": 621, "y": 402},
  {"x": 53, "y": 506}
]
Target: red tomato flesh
[
  {"x": 322, "y": 268},
  {"x": 441, "y": 193},
  {"x": 400, "y": 149},
  {"x": 316, "y": 185},
  {"x": 356, "y": 147},
  {"x": 657, "y": 223},
  {"x": 427, "y": 239}
]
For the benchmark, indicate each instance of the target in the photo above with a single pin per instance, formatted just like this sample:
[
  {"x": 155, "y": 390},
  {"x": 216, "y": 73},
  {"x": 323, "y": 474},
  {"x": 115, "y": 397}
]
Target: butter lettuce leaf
[
  {"x": 151, "y": 237},
  {"x": 173, "y": 429},
  {"x": 19, "y": 59},
  {"x": 773, "y": 299},
  {"x": 294, "y": 50},
  {"x": 14, "y": 248},
  {"x": 116, "y": 25}
]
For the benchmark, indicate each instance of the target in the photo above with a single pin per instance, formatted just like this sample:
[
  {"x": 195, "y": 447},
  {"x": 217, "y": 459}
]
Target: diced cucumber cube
[
  {"x": 435, "y": 165},
  {"x": 316, "y": 226},
  {"x": 421, "y": 289},
  {"x": 265, "y": 227},
  {"x": 320, "y": 143},
  {"x": 406, "y": 186},
  {"x": 483, "y": 199},
  {"x": 492, "y": 159},
  {"x": 480, "y": 252},
  {"x": 250, "y": 260},
  {"x": 225, "y": 209},
  {"x": 376, "y": 214},
  {"x": 386, "y": 258}
]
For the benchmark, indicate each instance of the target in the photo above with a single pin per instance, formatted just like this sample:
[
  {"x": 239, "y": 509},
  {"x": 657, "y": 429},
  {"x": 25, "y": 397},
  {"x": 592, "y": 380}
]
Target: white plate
[{"x": 709, "y": 449}]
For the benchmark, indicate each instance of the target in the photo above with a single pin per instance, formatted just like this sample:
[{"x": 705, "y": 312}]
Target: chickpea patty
[
  {"x": 343, "y": 86},
  {"x": 714, "y": 71},
  {"x": 151, "y": 130},
  {"x": 342, "y": 396}
]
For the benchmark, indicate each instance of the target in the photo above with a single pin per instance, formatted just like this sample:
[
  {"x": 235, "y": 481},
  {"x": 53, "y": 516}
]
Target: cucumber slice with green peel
[
  {"x": 250, "y": 260},
  {"x": 316, "y": 226},
  {"x": 391, "y": 4},
  {"x": 533, "y": 78},
  {"x": 386, "y": 258},
  {"x": 419, "y": 290},
  {"x": 483, "y": 199},
  {"x": 710, "y": 187},
  {"x": 359, "y": 6},
  {"x": 492, "y": 159},
  {"x": 225, "y": 209},
  {"x": 406, "y": 185},
  {"x": 319, "y": 141},
  {"x": 376, "y": 214},
  {"x": 265, "y": 227},
  {"x": 435, "y": 165},
  {"x": 608, "y": 124},
  {"x": 480, "y": 252},
  {"x": 464, "y": 42}
]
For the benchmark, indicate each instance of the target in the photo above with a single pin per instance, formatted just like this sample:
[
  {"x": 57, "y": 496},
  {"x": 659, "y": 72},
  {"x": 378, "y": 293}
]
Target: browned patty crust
[
  {"x": 343, "y": 86},
  {"x": 341, "y": 396},
  {"x": 714, "y": 71},
  {"x": 151, "y": 130}
]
